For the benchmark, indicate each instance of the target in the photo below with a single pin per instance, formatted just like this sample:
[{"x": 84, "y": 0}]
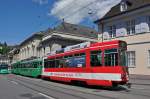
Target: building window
[
  {"x": 44, "y": 50},
  {"x": 148, "y": 58},
  {"x": 112, "y": 31},
  {"x": 131, "y": 58},
  {"x": 148, "y": 19},
  {"x": 130, "y": 26}
]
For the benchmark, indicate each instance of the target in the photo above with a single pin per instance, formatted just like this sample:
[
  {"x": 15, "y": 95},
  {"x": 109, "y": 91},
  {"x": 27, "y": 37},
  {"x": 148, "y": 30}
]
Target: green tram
[
  {"x": 29, "y": 67},
  {"x": 4, "y": 69}
]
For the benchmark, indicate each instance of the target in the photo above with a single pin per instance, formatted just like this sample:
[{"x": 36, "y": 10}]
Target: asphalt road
[{"x": 19, "y": 87}]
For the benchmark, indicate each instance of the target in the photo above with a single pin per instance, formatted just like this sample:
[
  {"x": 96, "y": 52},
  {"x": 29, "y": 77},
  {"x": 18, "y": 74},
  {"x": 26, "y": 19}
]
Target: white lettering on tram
[{"x": 93, "y": 76}]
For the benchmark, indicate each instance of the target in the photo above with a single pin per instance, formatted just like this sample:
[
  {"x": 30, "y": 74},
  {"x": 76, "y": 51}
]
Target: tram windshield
[
  {"x": 116, "y": 56},
  {"x": 111, "y": 57},
  {"x": 123, "y": 55},
  {"x": 3, "y": 66}
]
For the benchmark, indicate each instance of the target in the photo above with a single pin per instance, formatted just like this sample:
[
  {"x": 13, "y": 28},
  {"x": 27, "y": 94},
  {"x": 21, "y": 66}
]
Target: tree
[
  {"x": 4, "y": 49},
  {"x": 5, "y": 44}
]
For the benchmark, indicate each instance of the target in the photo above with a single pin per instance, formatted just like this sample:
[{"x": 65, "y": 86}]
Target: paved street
[{"x": 19, "y": 87}]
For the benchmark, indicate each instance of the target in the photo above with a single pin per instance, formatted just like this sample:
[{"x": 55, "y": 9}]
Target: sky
[{"x": 19, "y": 19}]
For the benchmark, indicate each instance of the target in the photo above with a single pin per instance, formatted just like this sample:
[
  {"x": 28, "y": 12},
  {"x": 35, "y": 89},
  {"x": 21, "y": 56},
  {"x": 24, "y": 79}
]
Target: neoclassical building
[
  {"x": 4, "y": 59},
  {"x": 42, "y": 43},
  {"x": 14, "y": 54},
  {"x": 64, "y": 35},
  {"x": 130, "y": 21},
  {"x": 28, "y": 48}
]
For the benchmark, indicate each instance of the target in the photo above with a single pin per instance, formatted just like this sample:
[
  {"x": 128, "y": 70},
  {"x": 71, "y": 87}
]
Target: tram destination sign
[{"x": 77, "y": 46}]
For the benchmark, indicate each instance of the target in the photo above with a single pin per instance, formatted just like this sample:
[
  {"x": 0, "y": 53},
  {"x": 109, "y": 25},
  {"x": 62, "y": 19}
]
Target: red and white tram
[{"x": 102, "y": 63}]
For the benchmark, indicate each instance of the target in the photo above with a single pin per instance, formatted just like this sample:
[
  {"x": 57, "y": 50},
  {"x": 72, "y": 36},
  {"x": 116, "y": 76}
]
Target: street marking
[
  {"x": 49, "y": 97},
  {"x": 14, "y": 82},
  {"x": 137, "y": 88}
]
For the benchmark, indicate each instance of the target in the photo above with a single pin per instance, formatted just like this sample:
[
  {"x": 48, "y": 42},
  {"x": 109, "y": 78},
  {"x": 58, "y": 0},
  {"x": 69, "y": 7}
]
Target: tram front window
[
  {"x": 3, "y": 67},
  {"x": 123, "y": 58},
  {"x": 111, "y": 57},
  {"x": 122, "y": 53}
]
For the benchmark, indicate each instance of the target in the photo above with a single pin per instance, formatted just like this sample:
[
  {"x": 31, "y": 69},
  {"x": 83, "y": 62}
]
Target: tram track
[
  {"x": 26, "y": 86},
  {"x": 124, "y": 92},
  {"x": 39, "y": 92},
  {"x": 137, "y": 93},
  {"x": 49, "y": 87}
]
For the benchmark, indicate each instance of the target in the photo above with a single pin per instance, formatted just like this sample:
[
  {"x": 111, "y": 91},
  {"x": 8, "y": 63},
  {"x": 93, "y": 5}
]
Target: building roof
[
  {"x": 3, "y": 57},
  {"x": 74, "y": 30},
  {"x": 131, "y": 6},
  {"x": 36, "y": 35},
  {"x": 15, "y": 50}
]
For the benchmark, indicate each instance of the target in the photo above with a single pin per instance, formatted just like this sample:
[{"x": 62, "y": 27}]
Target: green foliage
[{"x": 4, "y": 49}]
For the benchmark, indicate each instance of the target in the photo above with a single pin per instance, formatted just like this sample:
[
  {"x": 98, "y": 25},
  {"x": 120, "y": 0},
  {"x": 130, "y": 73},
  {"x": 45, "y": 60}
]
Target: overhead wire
[{"x": 74, "y": 12}]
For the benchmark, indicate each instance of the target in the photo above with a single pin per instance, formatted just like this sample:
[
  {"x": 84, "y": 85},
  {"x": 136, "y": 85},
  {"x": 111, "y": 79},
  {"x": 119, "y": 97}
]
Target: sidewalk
[{"x": 140, "y": 79}]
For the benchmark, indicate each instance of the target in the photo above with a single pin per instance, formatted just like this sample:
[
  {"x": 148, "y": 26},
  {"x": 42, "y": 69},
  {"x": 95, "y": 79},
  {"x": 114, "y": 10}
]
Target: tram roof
[
  {"x": 83, "y": 49},
  {"x": 105, "y": 43}
]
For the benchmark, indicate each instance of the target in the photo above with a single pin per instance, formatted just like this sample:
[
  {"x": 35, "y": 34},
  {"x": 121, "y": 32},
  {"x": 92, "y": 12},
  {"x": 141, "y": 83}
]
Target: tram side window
[
  {"x": 34, "y": 64},
  {"x": 26, "y": 65},
  {"x": 96, "y": 58},
  {"x": 40, "y": 63},
  {"x": 111, "y": 57},
  {"x": 22, "y": 65},
  {"x": 62, "y": 63},
  {"x": 45, "y": 63},
  {"x": 49, "y": 63},
  {"x": 16, "y": 66},
  {"x": 78, "y": 60},
  {"x": 19, "y": 65},
  {"x": 52, "y": 63},
  {"x": 29, "y": 65},
  {"x": 57, "y": 62},
  {"x": 72, "y": 61},
  {"x": 68, "y": 61}
]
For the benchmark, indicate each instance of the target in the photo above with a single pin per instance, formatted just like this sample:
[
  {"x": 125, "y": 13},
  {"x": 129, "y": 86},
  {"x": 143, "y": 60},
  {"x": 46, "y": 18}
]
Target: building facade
[
  {"x": 14, "y": 54},
  {"x": 4, "y": 60},
  {"x": 130, "y": 21},
  {"x": 46, "y": 42},
  {"x": 64, "y": 35},
  {"x": 28, "y": 48}
]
